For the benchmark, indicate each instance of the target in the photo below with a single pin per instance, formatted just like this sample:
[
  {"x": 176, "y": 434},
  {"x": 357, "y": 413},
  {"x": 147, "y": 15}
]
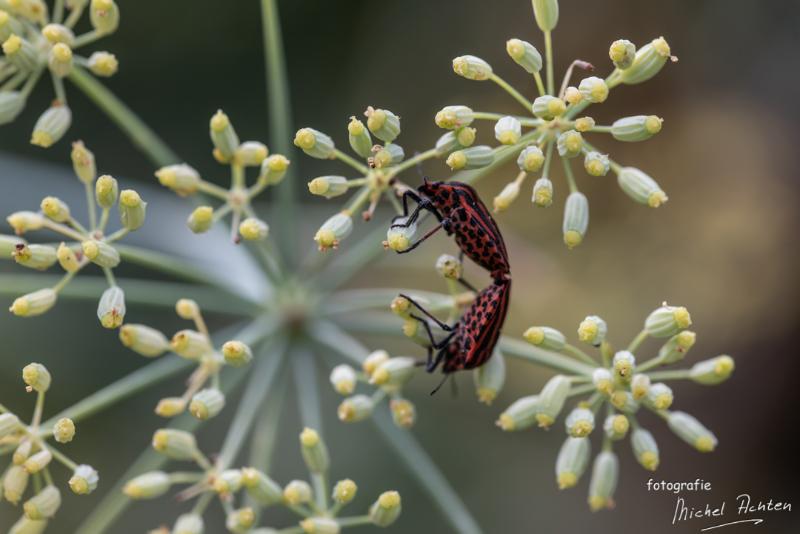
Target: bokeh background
[{"x": 724, "y": 246}]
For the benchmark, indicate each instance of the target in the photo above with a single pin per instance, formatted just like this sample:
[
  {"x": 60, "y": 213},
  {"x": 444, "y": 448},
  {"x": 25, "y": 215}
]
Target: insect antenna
[{"x": 441, "y": 383}]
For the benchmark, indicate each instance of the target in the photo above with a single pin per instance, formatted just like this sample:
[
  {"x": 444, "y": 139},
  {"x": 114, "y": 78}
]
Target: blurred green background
[{"x": 722, "y": 246}]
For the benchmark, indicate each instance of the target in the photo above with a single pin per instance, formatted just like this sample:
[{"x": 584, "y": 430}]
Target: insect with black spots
[{"x": 460, "y": 212}]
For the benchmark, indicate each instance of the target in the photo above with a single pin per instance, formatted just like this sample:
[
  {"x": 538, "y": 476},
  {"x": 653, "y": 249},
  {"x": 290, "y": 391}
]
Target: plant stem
[
  {"x": 501, "y": 156},
  {"x": 573, "y": 187},
  {"x": 637, "y": 341},
  {"x": 578, "y": 353},
  {"x": 279, "y": 109},
  {"x": 523, "y": 350},
  {"x": 90, "y": 206},
  {"x": 165, "y": 263},
  {"x": 524, "y": 102},
  {"x": 141, "y": 134},
  {"x": 348, "y": 160},
  {"x": 548, "y": 48},
  {"x": 261, "y": 381},
  {"x": 677, "y": 374},
  {"x": 417, "y": 158}
]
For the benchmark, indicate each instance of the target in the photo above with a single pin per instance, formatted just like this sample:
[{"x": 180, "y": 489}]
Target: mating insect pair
[{"x": 460, "y": 212}]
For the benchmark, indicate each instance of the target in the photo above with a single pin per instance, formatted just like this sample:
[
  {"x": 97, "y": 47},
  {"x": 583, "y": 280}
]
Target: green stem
[
  {"x": 539, "y": 84},
  {"x": 63, "y": 458},
  {"x": 305, "y": 381},
  {"x": 524, "y": 102},
  {"x": 548, "y": 49},
  {"x": 90, "y": 206},
  {"x": 501, "y": 156},
  {"x": 573, "y": 187},
  {"x": 349, "y": 160},
  {"x": 87, "y": 38},
  {"x": 354, "y": 521},
  {"x": 261, "y": 381},
  {"x": 407, "y": 164},
  {"x": 523, "y": 350},
  {"x": 280, "y": 116},
  {"x": 637, "y": 341},
  {"x": 265, "y": 433},
  {"x": 677, "y": 374},
  {"x": 578, "y": 353},
  {"x": 141, "y": 134}
]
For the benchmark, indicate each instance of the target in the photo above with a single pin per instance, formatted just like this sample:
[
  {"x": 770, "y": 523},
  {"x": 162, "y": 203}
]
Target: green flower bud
[
  {"x": 605, "y": 473},
  {"x": 111, "y": 309},
  {"x": 67, "y": 258},
  {"x": 390, "y": 154},
  {"x": 667, "y": 321},
  {"x": 386, "y": 509},
  {"x": 645, "y": 449},
  {"x": 39, "y": 257},
  {"x": 713, "y": 371},
  {"x": 548, "y": 107},
  {"x": 143, "y": 340},
  {"x": 190, "y": 344},
  {"x": 51, "y": 126},
  {"x": 592, "y": 330},
  {"x": 23, "y": 450},
  {"x": 175, "y": 444},
  {"x": 103, "y": 64},
  {"x": 593, "y": 89},
  {"x": 223, "y": 136},
  {"x": 25, "y": 221},
  {"x": 147, "y": 486},
  {"x": 320, "y": 525},
  {"x": 449, "y": 267},
  {"x": 100, "y": 253},
  {"x": 260, "y": 487},
  {"x": 237, "y": 353},
  {"x": 189, "y": 524},
  {"x": 640, "y": 385},
  {"x": 84, "y": 480},
  {"x": 465, "y": 136},
  {"x": 64, "y": 430},
  {"x": 131, "y": 209},
  {"x": 508, "y": 130},
  {"x": 640, "y": 187},
  {"x": 551, "y": 400},
  {"x": 530, "y": 159},
  {"x": 360, "y": 140},
  {"x": 273, "y": 169},
  {"x": 603, "y": 381},
  {"x": 525, "y": 54},
  {"x": 9, "y": 25},
  {"x": 181, "y": 178},
  {"x": 9, "y": 244},
  {"x": 647, "y": 62},
  {"x": 508, "y": 195},
  {"x": 297, "y": 492},
  {"x": 331, "y": 233},
  {"x": 200, "y": 219},
  {"x": 228, "y": 482},
  {"x": 616, "y": 426},
  {"x": 573, "y": 457},
  {"x": 576, "y": 219},
  {"x": 20, "y": 53},
  {"x": 343, "y": 379},
  {"x": 36, "y": 377},
  {"x": 622, "y": 52},
  {"x": 489, "y": 378},
  {"x": 692, "y": 431},
  {"x": 659, "y": 397},
  {"x": 545, "y": 337},
  {"x": 240, "y": 521},
  {"x": 404, "y": 414},
  {"x": 44, "y": 504},
  {"x": 546, "y": 14},
  {"x": 15, "y": 482},
  {"x": 355, "y": 408},
  {"x": 344, "y": 491},
  {"x": 59, "y": 59},
  {"x": 207, "y": 403},
  {"x": 104, "y": 15},
  {"x": 11, "y": 105},
  {"x": 569, "y": 144},
  {"x": 580, "y": 423},
  {"x": 675, "y": 349},
  {"x": 584, "y": 124},
  {"x": 399, "y": 238},
  {"x": 521, "y": 414},
  {"x": 447, "y": 143},
  {"x": 383, "y": 124},
  {"x": 315, "y": 453},
  {"x": 56, "y": 209},
  {"x": 328, "y": 186},
  {"x": 394, "y": 372},
  {"x": 170, "y": 407},
  {"x": 624, "y": 401},
  {"x": 471, "y": 158},
  {"x": 251, "y": 153},
  {"x": 542, "y": 195},
  {"x": 636, "y": 128},
  {"x": 472, "y": 68},
  {"x": 35, "y": 303},
  {"x": 106, "y": 191},
  {"x": 623, "y": 364},
  {"x": 253, "y": 229},
  {"x": 596, "y": 164},
  {"x": 454, "y": 117},
  {"x": 28, "y": 526},
  {"x": 9, "y": 424}
]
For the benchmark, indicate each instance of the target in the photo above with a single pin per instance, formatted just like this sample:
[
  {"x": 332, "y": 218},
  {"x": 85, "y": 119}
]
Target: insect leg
[
  {"x": 419, "y": 241},
  {"x": 443, "y": 326},
  {"x": 461, "y": 280}
]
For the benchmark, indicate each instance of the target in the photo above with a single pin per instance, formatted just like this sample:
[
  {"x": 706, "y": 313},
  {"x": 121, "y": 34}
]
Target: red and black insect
[
  {"x": 461, "y": 213},
  {"x": 471, "y": 341},
  {"x": 458, "y": 208}
]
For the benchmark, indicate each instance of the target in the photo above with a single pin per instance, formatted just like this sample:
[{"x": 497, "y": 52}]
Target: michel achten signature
[{"x": 745, "y": 510}]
